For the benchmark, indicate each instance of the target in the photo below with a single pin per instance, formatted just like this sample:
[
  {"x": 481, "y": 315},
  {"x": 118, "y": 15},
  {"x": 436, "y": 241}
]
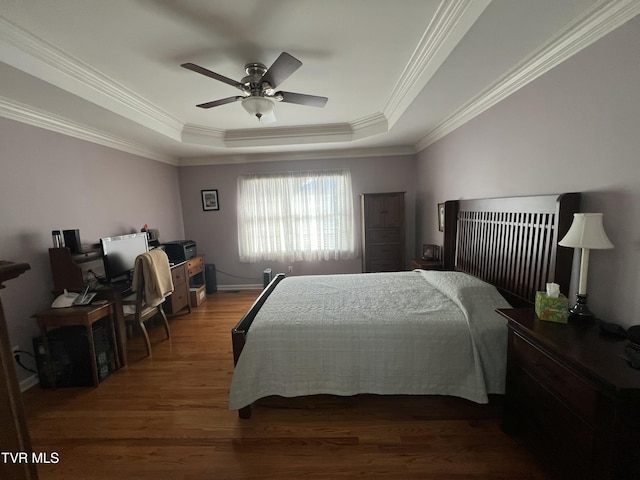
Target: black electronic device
[
  {"x": 72, "y": 240},
  {"x": 612, "y": 328},
  {"x": 210, "y": 278},
  {"x": 119, "y": 254},
  {"x": 69, "y": 352},
  {"x": 180, "y": 250}
]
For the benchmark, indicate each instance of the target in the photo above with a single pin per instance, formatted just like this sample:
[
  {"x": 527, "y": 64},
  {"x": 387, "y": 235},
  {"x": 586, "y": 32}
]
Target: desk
[
  {"x": 83, "y": 316},
  {"x": 70, "y": 272}
]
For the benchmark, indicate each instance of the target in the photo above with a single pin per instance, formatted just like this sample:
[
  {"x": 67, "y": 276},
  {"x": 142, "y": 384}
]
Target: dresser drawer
[
  {"x": 379, "y": 252},
  {"x": 392, "y": 235},
  {"x": 179, "y": 299},
  {"x": 546, "y": 412},
  {"x": 178, "y": 275},
  {"x": 565, "y": 385},
  {"x": 390, "y": 265},
  {"x": 195, "y": 266}
]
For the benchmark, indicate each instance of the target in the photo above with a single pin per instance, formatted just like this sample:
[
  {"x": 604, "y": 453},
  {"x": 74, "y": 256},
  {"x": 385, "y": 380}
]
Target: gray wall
[
  {"x": 574, "y": 129},
  {"x": 50, "y": 181},
  {"x": 216, "y": 231}
]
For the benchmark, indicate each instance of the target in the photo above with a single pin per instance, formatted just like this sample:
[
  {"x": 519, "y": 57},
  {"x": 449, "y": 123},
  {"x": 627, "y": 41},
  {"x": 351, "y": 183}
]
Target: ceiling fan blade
[
  {"x": 216, "y": 76},
  {"x": 217, "y": 103},
  {"x": 302, "y": 99},
  {"x": 281, "y": 69}
]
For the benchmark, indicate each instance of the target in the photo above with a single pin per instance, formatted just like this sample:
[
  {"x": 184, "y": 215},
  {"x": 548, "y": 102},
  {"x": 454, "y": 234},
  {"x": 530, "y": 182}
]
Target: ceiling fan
[{"x": 259, "y": 87}]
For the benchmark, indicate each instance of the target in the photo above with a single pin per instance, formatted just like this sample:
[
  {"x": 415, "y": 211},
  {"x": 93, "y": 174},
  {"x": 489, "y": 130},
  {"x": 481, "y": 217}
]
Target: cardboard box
[
  {"x": 552, "y": 309},
  {"x": 197, "y": 295}
]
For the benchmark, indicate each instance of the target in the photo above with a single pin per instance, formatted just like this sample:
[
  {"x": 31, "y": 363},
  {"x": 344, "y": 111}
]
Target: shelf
[{"x": 89, "y": 253}]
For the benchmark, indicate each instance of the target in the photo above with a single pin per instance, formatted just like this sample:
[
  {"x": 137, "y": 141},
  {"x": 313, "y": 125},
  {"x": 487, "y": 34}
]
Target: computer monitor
[{"x": 119, "y": 254}]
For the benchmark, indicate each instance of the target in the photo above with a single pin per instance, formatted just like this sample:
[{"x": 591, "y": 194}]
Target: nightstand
[
  {"x": 425, "y": 264},
  {"x": 572, "y": 397}
]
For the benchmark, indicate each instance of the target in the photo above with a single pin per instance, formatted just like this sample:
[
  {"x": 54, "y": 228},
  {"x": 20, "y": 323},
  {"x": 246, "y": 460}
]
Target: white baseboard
[
  {"x": 29, "y": 382},
  {"x": 256, "y": 286}
]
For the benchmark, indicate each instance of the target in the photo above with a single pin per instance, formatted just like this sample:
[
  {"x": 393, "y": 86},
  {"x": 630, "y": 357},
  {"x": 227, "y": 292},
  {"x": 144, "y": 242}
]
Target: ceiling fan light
[{"x": 258, "y": 106}]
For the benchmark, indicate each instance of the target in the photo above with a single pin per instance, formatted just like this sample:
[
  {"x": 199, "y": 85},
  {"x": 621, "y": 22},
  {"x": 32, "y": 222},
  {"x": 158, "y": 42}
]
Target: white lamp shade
[
  {"x": 258, "y": 106},
  {"x": 586, "y": 231}
]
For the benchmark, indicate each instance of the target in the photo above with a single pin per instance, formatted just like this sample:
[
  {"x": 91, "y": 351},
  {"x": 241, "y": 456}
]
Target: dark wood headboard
[{"x": 511, "y": 242}]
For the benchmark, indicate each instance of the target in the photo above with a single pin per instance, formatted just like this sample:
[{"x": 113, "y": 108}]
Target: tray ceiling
[{"x": 398, "y": 75}]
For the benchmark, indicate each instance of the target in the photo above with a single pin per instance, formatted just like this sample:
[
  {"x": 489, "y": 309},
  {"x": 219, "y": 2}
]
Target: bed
[{"x": 407, "y": 333}]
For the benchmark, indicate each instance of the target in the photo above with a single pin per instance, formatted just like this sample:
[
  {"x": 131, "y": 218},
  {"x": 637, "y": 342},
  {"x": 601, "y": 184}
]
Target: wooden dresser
[
  {"x": 179, "y": 299},
  {"x": 382, "y": 232},
  {"x": 183, "y": 275},
  {"x": 573, "y": 397}
]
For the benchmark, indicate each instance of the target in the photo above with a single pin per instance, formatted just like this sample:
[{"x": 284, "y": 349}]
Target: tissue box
[{"x": 552, "y": 309}]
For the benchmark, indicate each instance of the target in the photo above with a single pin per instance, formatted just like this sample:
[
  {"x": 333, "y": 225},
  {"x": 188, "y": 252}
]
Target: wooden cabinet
[
  {"x": 573, "y": 397},
  {"x": 70, "y": 270},
  {"x": 179, "y": 299},
  {"x": 185, "y": 275},
  {"x": 382, "y": 232},
  {"x": 15, "y": 432},
  {"x": 195, "y": 271}
]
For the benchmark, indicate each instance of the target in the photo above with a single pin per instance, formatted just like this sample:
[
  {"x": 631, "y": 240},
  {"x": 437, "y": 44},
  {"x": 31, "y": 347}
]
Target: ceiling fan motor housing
[{"x": 253, "y": 84}]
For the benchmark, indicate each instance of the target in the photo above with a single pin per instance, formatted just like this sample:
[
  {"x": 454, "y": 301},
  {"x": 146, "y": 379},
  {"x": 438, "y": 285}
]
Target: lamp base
[{"x": 580, "y": 311}]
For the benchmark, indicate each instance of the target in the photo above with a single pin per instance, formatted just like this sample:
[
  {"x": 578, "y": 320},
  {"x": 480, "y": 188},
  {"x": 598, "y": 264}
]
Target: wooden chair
[{"x": 143, "y": 311}]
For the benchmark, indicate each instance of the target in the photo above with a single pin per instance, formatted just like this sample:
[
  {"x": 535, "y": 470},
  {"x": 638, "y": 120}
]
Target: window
[{"x": 296, "y": 216}]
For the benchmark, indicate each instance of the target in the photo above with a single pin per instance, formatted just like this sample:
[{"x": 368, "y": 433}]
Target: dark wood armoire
[{"x": 383, "y": 232}]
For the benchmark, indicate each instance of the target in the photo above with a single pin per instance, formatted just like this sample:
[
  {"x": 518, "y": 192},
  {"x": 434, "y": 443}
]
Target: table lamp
[{"x": 586, "y": 232}]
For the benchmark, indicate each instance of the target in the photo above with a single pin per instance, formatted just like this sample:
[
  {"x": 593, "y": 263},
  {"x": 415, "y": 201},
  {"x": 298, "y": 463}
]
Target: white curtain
[{"x": 296, "y": 216}]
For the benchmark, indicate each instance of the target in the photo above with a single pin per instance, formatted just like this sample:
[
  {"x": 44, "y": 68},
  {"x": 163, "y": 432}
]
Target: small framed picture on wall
[
  {"x": 210, "y": 200},
  {"x": 441, "y": 217}
]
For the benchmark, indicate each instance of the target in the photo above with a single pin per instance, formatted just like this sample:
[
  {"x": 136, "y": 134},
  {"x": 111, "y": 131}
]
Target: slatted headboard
[{"x": 511, "y": 242}]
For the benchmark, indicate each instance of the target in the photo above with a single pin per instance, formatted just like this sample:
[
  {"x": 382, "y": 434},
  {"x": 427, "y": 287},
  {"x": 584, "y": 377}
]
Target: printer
[{"x": 180, "y": 250}]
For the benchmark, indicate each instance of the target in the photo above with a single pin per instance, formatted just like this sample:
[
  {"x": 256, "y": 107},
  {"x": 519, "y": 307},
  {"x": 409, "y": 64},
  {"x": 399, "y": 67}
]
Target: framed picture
[
  {"x": 431, "y": 252},
  {"x": 441, "y": 217},
  {"x": 210, "y": 200}
]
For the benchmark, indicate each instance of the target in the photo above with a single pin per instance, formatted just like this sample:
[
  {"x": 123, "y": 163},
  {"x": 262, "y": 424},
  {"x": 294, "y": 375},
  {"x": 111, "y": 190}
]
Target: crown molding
[
  {"x": 201, "y": 135},
  {"x": 594, "y": 24},
  {"x": 39, "y": 118},
  {"x": 368, "y": 126},
  {"x": 297, "y": 156},
  {"x": 276, "y": 136},
  {"x": 452, "y": 20},
  {"x": 24, "y": 51},
  {"x": 28, "y": 53}
]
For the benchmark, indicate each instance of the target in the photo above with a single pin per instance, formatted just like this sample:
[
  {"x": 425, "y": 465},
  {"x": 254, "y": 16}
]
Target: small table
[
  {"x": 426, "y": 264},
  {"x": 86, "y": 316}
]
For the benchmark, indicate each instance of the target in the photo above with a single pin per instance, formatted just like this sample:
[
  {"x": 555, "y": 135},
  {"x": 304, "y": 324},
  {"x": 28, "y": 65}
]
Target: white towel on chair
[{"x": 156, "y": 274}]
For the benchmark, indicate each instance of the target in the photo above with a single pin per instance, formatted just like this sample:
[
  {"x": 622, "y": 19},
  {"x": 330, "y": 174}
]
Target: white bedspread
[{"x": 420, "y": 332}]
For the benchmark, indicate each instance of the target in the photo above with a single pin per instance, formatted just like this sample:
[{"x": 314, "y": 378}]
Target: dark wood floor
[{"x": 166, "y": 417}]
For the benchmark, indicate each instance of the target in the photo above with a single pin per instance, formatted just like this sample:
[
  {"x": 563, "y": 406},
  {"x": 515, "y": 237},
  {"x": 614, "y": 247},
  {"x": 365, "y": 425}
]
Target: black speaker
[
  {"x": 72, "y": 240},
  {"x": 210, "y": 277}
]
